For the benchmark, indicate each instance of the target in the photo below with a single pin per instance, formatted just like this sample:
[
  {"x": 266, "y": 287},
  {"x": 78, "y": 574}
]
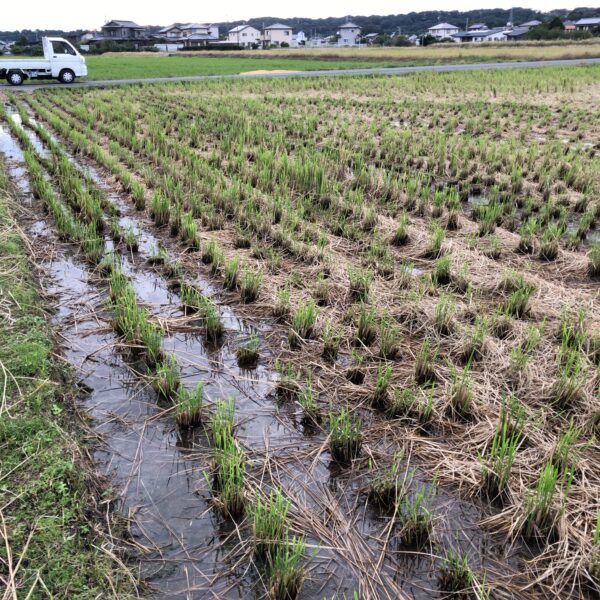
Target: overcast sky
[{"x": 72, "y": 14}]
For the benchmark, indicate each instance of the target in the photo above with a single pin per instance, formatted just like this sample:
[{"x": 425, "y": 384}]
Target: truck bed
[{"x": 24, "y": 63}]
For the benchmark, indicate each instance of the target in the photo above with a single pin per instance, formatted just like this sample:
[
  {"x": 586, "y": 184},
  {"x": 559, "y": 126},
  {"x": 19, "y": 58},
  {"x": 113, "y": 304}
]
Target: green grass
[
  {"x": 222, "y": 422},
  {"x": 415, "y": 520},
  {"x": 46, "y": 485},
  {"x": 248, "y": 352},
  {"x": 269, "y": 522},
  {"x": 144, "y": 66},
  {"x": 287, "y": 572},
  {"x": 303, "y": 323},
  {"x": 345, "y": 437},
  {"x": 497, "y": 465},
  {"x": 189, "y": 406},
  {"x": 390, "y": 485},
  {"x": 229, "y": 478},
  {"x": 540, "y": 506}
]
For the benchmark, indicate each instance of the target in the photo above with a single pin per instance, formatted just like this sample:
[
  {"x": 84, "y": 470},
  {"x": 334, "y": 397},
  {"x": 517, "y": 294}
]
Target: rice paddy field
[
  {"x": 147, "y": 65},
  {"x": 433, "y": 54},
  {"x": 144, "y": 65},
  {"x": 335, "y": 338}
]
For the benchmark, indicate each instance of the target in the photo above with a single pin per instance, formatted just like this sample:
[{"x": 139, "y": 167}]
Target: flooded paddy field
[{"x": 336, "y": 338}]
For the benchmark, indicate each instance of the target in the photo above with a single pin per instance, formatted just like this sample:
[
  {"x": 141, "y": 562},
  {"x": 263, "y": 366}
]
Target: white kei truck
[{"x": 61, "y": 61}]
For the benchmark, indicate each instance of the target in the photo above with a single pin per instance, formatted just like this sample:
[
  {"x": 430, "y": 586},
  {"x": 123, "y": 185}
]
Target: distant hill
[
  {"x": 414, "y": 22},
  {"x": 418, "y": 22}
]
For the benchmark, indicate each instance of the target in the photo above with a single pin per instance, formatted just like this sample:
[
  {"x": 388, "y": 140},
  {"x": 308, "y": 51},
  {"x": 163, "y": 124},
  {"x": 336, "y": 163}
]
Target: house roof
[
  {"x": 592, "y": 21},
  {"x": 442, "y": 26},
  {"x": 533, "y": 23},
  {"x": 241, "y": 28},
  {"x": 476, "y": 34},
  {"x": 195, "y": 26},
  {"x": 184, "y": 27},
  {"x": 278, "y": 26},
  {"x": 517, "y": 32},
  {"x": 129, "y": 24},
  {"x": 478, "y": 26},
  {"x": 170, "y": 27},
  {"x": 200, "y": 37},
  {"x": 349, "y": 25}
]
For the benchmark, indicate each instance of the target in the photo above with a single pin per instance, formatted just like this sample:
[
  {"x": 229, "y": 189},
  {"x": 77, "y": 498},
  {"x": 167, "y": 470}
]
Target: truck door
[{"x": 62, "y": 56}]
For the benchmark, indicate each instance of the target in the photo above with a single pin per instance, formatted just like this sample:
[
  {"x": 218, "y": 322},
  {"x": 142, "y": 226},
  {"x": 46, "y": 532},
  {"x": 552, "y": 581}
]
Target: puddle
[
  {"x": 477, "y": 200},
  {"x": 591, "y": 237},
  {"x": 14, "y": 159}
]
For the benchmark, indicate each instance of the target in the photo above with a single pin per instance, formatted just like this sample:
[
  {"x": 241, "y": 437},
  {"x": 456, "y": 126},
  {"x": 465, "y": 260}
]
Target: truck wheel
[
  {"x": 14, "y": 78},
  {"x": 66, "y": 76}
]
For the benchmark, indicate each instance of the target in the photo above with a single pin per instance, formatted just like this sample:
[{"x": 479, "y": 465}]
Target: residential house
[
  {"x": 442, "y": 30},
  {"x": 298, "y": 39},
  {"x": 569, "y": 25},
  {"x": 89, "y": 35},
  {"x": 486, "y": 35},
  {"x": 587, "y": 24},
  {"x": 349, "y": 34},
  {"x": 370, "y": 37},
  {"x": 477, "y": 27},
  {"x": 530, "y": 24},
  {"x": 490, "y": 35},
  {"x": 513, "y": 35},
  {"x": 181, "y": 31},
  {"x": 317, "y": 42},
  {"x": 276, "y": 34},
  {"x": 124, "y": 31},
  {"x": 172, "y": 31},
  {"x": 199, "y": 39},
  {"x": 244, "y": 35}
]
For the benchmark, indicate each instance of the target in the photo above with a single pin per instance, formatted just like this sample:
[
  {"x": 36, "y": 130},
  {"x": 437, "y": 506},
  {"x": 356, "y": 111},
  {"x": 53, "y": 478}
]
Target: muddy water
[
  {"x": 15, "y": 161},
  {"x": 158, "y": 470},
  {"x": 475, "y": 201},
  {"x": 188, "y": 551}
]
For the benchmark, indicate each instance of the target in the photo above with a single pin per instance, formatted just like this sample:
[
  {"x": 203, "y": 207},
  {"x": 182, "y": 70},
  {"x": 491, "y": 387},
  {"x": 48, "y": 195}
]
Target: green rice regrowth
[
  {"x": 247, "y": 352},
  {"x": 345, "y": 436},
  {"x": 287, "y": 570},
  {"x": 166, "y": 379},
  {"x": 222, "y": 422},
  {"x": 250, "y": 282},
  {"x": 189, "y": 405},
  {"x": 303, "y": 323},
  {"x": 269, "y": 523}
]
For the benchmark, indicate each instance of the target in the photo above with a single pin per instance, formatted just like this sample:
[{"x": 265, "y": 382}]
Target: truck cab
[
  {"x": 61, "y": 61},
  {"x": 64, "y": 59}
]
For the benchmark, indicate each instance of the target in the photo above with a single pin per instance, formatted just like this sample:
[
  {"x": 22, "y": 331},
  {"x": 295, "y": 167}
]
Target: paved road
[{"x": 532, "y": 64}]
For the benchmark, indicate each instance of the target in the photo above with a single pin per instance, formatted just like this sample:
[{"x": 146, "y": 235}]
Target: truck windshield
[{"x": 62, "y": 48}]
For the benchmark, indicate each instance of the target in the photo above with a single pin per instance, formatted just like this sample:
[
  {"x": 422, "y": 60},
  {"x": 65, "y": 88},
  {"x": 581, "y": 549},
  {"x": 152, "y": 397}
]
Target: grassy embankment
[{"x": 52, "y": 543}]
